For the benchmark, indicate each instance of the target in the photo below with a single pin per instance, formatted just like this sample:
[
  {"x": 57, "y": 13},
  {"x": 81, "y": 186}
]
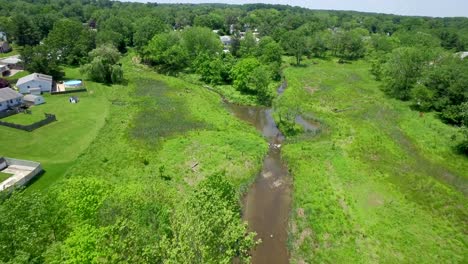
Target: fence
[
  {"x": 49, "y": 118},
  {"x": 69, "y": 91},
  {"x": 8, "y": 113},
  {"x": 32, "y": 168}
]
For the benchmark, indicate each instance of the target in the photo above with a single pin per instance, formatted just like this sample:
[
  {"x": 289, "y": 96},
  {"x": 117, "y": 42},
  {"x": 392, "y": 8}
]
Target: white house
[
  {"x": 226, "y": 40},
  {"x": 9, "y": 98},
  {"x": 31, "y": 99},
  {"x": 35, "y": 80}
]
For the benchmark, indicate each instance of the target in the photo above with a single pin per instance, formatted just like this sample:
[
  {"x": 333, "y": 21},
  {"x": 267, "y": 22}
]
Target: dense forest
[{"x": 82, "y": 220}]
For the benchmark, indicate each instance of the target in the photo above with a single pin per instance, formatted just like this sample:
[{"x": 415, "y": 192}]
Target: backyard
[
  {"x": 58, "y": 144},
  {"x": 4, "y": 176}
]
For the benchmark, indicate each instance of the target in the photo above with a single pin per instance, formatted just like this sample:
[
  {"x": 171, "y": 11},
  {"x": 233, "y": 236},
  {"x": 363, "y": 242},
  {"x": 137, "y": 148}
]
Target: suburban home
[
  {"x": 226, "y": 40},
  {"x": 4, "y": 47},
  {"x": 13, "y": 62},
  {"x": 4, "y": 70},
  {"x": 9, "y": 98},
  {"x": 31, "y": 99},
  {"x": 463, "y": 54},
  {"x": 35, "y": 80}
]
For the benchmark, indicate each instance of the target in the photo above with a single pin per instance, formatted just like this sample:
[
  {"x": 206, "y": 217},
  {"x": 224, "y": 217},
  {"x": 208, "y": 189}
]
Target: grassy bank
[{"x": 381, "y": 183}]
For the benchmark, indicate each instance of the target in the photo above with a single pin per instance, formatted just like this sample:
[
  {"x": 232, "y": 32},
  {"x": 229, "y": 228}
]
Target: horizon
[{"x": 431, "y": 8}]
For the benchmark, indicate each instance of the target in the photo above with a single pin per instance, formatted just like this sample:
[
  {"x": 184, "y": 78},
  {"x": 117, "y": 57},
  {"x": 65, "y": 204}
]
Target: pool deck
[{"x": 22, "y": 171}]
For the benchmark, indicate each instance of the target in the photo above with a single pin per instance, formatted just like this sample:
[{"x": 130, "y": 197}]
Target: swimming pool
[{"x": 73, "y": 83}]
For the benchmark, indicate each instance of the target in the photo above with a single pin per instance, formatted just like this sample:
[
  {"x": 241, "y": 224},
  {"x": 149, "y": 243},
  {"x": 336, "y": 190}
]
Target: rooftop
[
  {"x": 34, "y": 76},
  {"x": 11, "y": 60},
  {"x": 8, "y": 94}
]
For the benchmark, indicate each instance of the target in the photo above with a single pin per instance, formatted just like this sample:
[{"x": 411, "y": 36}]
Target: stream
[{"x": 268, "y": 201}]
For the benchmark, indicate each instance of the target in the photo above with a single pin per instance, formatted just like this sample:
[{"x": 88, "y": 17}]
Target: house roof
[
  {"x": 8, "y": 94},
  {"x": 34, "y": 77},
  {"x": 11, "y": 60},
  {"x": 225, "y": 38},
  {"x": 30, "y": 97},
  {"x": 463, "y": 54}
]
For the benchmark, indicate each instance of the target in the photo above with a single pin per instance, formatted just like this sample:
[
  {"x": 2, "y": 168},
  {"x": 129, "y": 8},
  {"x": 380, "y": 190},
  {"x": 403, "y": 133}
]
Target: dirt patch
[
  {"x": 375, "y": 199},
  {"x": 310, "y": 89},
  {"x": 300, "y": 212},
  {"x": 306, "y": 233}
]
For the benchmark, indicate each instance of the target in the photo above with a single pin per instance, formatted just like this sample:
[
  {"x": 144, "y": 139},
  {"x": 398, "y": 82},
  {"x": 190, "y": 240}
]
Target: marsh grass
[
  {"x": 164, "y": 112},
  {"x": 379, "y": 184}
]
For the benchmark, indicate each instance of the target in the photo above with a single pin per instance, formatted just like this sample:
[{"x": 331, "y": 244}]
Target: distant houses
[
  {"x": 4, "y": 47},
  {"x": 9, "y": 98},
  {"x": 35, "y": 83},
  {"x": 13, "y": 62},
  {"x": 463, "y": 54}
]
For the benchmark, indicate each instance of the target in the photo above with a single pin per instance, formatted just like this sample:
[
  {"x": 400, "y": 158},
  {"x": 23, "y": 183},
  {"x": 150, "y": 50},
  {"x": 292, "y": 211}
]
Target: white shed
[
  {"x": 35, "y": 80},
  {"x": 33, "y": 99}
]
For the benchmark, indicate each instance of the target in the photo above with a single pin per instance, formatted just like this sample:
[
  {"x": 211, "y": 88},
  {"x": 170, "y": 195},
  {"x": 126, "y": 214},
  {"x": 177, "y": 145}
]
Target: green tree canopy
[{"x": 104, "y": 65}]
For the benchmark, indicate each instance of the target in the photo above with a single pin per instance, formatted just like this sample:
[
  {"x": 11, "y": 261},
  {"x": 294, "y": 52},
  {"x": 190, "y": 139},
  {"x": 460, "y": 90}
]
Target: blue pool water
[{"x": 72, "y": 83}]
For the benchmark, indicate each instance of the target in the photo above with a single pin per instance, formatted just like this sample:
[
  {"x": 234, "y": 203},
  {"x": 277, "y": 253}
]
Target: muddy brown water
[{"x": 268, "y": 201}]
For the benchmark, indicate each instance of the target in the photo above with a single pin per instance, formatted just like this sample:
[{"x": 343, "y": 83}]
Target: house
[
  {"x": 4, "y": 70},
  {"x": 4, "y": 47},
  {"x": 31, "y": 99},
  {"x": 226, "y": 40},
  {"x": 9, "y": 98},
  {"x": 13, "y": 62},
  {"x": 35, "y": 80},
  {"x": 463, "y": 54}
]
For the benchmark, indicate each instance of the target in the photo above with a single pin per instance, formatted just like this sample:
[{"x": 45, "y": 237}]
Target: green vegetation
[
  {"x": 366, "y": 188},
  {"x": 4, "y": 176},
  {"x": 150, "y": 168}
]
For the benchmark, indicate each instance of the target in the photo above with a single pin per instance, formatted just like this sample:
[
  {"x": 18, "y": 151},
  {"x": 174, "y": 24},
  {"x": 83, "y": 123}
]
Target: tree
[
  {"x": 207, "y": 226},
  {"x": 240, "y": 74},
  {"x": 70, "y": 40},
  {"x": 259, "y": 81},
  {"x": 197, "y": 40},
  {"x": 349, "y": 45},
  {"x": 166, "y": 51},
  {"x": 4, "y": 83},
  {"x": 402, "y": 71},
  {"x": 41, "y": 59},
  {"x": 296, "y": 44},
  {"x": 104, "y": 65},
  {"x": 269, "y": 51},
  {"x": 248, "y": 45},
  {"x": 23, "y": 31},
  {"x": 145, "y": 29}
]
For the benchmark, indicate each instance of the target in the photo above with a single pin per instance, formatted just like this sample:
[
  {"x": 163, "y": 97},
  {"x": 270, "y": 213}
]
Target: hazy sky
[{"x": 439, "y": 8}]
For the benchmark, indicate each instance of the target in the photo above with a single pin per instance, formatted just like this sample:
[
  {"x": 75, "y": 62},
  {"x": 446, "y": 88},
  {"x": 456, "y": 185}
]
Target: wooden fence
[{"x": 49, "y": 118}]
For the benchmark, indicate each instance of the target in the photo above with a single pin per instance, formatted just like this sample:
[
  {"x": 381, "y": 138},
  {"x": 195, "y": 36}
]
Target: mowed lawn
[
  {"x": 58, "y": 144},
  {"x": 381, "y": 184}
]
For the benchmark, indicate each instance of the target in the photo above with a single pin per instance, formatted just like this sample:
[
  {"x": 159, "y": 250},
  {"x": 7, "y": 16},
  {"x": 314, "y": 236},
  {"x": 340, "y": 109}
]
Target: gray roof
[
  {"x": 463, "y": 54},
  {"x": 11, "y": 60},
  {"x": 30, "y": 97},
  {"x": 8, "y": 94},
  {"x": 32, "y": 77}
]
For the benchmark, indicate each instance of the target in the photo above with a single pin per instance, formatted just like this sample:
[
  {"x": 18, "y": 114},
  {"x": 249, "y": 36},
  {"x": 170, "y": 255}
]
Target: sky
[{"x": 434, "y": 8}]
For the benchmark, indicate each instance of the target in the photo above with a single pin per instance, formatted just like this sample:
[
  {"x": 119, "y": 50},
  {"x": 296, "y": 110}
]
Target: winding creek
[{"x": 268, "y": 201}]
